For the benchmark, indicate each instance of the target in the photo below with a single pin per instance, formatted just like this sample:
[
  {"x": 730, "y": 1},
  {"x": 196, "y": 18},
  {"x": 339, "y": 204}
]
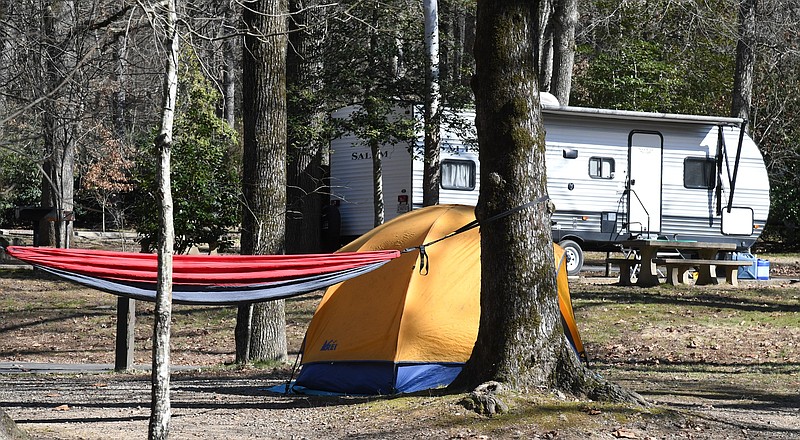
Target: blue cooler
[{"x": 746, "y": 272}]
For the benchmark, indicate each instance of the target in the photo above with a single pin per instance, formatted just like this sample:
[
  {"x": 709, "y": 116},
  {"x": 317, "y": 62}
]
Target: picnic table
[{"x": 705, "y": 263}]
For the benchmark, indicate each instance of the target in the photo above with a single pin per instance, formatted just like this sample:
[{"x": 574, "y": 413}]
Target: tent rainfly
[{"x": 396, "y": 330}]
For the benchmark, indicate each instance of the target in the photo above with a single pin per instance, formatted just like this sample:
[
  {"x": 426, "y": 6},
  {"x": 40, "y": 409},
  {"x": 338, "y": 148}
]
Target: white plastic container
[{"x": 762, "y": 269}]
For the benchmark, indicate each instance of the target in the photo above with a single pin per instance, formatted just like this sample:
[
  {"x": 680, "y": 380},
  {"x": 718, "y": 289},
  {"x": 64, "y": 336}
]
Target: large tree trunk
[
  {"x": 160, "y": 411},
  {"x": 565, "y": 18},
  {"x": 520, "y": 340},
  {"x": 60, "y": 117},
  {"x": 264, "y": 168},
  {"x": 305, "y": 190},
  {"x": 745, "y": 60},
  {"x": 431, "y": 176}
]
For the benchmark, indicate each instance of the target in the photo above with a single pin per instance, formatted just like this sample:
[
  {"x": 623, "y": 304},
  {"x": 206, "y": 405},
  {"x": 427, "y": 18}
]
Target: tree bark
[
  {"x": 565, "y": 18},
  {"x": 118, "y": 96},
  {"x": 370, "y": 107},
  {"x": 60, "y": 117},
  {"x": 305, "y": 189},
  {"x": 431, "y": 176},
  {"x": 160, "y": 410},
  {"x": 459, "y": 44},
  {"x": 520, "y": 339},
  {"x": 745, "y": 60},
  {"x": 264, "y": 168},
  {"x": 228, "y": 67},
  {"x": 377, "y": 183},
  {"x": 543, "y": 43}
]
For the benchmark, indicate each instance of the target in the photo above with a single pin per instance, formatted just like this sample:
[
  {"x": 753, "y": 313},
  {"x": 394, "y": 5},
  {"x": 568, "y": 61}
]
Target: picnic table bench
[
  {"x": 677, "y": 268},
  {"x": 648, "y": 250},
  {"x": 626, "y": 266}
]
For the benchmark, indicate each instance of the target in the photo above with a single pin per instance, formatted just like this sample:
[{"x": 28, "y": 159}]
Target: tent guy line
[{"x": 424, "y": 261}]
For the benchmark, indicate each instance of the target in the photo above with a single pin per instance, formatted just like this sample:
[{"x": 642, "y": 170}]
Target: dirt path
[
  {"x": 716, "y": 362},
  {"x": 237, "y": 405}
]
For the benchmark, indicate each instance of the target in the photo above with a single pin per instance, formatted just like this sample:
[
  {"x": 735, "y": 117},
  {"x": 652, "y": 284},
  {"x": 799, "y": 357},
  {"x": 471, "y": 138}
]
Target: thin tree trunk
[
  {"x": 745, "y": 60},
  {"x": 377, "y": 183},
  {"x": 305, "y": 190},
  {"x": 469, "y": 43},
  {"x": 264, "y": 168},
  {"x": 431, "y": 168},
  {"x": 565, "y": 18},
  {"x": 460, "y": 44},
  {"x": 378, "y": 201},
  {"x": 118, "y": 96},
  {"x": 160, "y": 410},
  {"x": 228, "y": 67},
  {"x": 543, "y": 43},
  {"x": 6, "y": 10}
]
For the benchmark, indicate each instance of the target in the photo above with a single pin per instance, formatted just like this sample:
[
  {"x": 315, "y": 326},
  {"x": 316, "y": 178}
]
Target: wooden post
[{"x": 126, "y": 323}]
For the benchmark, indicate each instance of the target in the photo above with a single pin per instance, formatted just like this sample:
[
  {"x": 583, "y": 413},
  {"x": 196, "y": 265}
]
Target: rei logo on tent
[{"x": 328, "y": 345}]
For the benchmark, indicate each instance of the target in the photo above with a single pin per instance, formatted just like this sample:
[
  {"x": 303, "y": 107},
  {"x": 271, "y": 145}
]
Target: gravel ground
[{"x": 715, "y": 363}]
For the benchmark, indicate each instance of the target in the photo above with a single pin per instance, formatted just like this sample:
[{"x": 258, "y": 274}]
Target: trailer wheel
[{"x": 574, "y": 255}]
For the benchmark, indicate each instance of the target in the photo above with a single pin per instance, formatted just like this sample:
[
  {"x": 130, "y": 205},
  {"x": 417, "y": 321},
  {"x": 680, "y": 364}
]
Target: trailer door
[{"x": 645, "y": 158}]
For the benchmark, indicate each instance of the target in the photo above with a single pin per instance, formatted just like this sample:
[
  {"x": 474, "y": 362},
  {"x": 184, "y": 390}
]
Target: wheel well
[{"x": 574, "y": 238}]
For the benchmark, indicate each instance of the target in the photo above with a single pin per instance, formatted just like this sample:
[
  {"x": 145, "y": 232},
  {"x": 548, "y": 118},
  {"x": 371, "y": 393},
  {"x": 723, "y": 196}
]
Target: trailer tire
[{"x": 574, "y": 256}]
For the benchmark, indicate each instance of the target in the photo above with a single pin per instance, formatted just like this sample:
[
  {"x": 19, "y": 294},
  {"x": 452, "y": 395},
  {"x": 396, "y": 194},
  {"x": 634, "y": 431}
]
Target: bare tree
[
  {"x": 261, "y": 329},
  {"x": 229, "y": 51},
  {"x": 60, "y": 121},
  {"x": 160, "y": 409},
  {"x": 306, "y": 138},
  {"x": 454, "y": 22},
  {"x": 565, "y": 18},
  {"x": 520, "y": 339},
  {"x": 431, "y": 168},
  {"x": 745, "y": 60},
  {"x": 543, "y": 43}
]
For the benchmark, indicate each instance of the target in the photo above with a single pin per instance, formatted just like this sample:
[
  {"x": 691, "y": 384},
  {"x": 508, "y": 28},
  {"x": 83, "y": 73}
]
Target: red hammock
[{"x": 204, "y": 279}]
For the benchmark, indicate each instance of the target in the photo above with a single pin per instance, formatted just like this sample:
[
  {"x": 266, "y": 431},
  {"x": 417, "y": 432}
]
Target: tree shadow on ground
[{"x": 720, "y": 299}]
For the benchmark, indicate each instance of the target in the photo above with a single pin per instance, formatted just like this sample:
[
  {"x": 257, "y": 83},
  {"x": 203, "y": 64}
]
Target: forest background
[
  {"x": 80, "y": 88},
  {"x": 80, "y": 103}
]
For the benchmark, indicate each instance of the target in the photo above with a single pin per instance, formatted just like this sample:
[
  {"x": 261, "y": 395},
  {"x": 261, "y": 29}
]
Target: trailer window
[
  {"x": 601, "y": 168},
  {"x": 458, "y": 174},
  {"x": 699, "y": 172}
]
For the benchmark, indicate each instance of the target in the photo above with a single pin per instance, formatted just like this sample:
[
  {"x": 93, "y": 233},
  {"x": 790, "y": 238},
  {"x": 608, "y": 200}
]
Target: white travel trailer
[{"x": 612, "y": 175}]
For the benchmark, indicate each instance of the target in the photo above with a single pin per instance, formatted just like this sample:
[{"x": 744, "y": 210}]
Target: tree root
[{"x": 483, "y": 399}]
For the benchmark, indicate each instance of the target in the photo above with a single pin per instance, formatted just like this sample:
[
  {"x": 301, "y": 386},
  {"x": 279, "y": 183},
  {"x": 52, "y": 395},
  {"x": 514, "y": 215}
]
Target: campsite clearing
[{"x": 717, "y": 362}]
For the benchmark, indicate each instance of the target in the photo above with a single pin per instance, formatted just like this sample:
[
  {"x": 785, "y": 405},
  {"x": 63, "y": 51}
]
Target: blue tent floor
[{"x": 301, "y": 390}]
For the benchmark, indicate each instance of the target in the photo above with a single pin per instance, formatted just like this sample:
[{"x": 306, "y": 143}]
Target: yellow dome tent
[{"x": 397, "y": 330}]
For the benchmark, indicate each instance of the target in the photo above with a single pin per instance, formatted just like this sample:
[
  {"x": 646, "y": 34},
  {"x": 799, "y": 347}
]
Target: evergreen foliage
[
  {"x": 659, "y": 57},
  {"x": 205, "y": 183},
  {"x": 20, "y": 180},
  {"x": 775, "y": 113},
  {"x": 655, "y": 55}
]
